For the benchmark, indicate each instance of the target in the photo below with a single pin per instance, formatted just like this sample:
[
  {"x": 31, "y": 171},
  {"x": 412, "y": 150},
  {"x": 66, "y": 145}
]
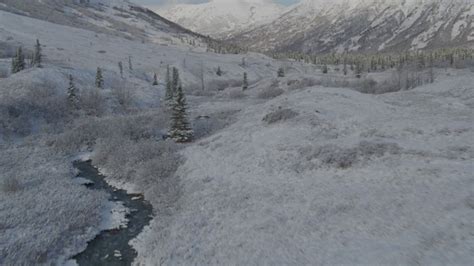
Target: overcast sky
[{"x": 162, "y": 2}]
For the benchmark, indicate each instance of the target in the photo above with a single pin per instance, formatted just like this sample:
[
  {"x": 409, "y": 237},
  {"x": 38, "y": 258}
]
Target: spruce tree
[
  {"x": 169, "y": 86},
  {"x": 245, "y": 84},
  {"x": 180, "y": 128},
  {"x": 130, "y": 66},
  {"x": 325, "y": 69},
  {"x": 359, "y": 69},
  {"x": 37, "y": 56},
  {"x": 175, "y": 81},
  {"x": 155, "y": 80},
  {"x": 219, "y": 71},
  {"x": 281, "y": 72},
  {"x": 99, "y": 79},
  {"x": 14, "y": 67},
  {"x": 18, "y": 63},
  {"x": 72, "y": 97},
  {"x": 120, "y": 66}
]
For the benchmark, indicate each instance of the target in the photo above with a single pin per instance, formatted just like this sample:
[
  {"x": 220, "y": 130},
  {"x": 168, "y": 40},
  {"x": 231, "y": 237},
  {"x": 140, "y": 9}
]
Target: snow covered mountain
[
  {"x": 121, "y": 18},
  {"x": 366, "y": 25},
  {"x": 219, "y": 17}
]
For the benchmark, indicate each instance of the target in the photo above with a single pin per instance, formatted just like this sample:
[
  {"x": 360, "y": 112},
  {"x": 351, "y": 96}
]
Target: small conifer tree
[
  {"x": 72, "y": 96},
  {"x": 245, "y": 84},
  {"x": 325, "y": 69},
  {"x": 169, "y": 86},
  {"x": 37, "y": 55},
  {"x": 14, "y": 66},
  {"x": 219, "y": 71},
  {"x": 120, "y": 66},
  {"x": 130, "y": 66},
  {"x": 358, "y": 69},
  {"x": 155, "y": 80},
  {"x": 99, "y": 79},
  {"x": 281, "y": 72},
  {"x": 175, "y": 81},
  {"x": 181, "y": 130},
  {"x": 18, "y": 63}
]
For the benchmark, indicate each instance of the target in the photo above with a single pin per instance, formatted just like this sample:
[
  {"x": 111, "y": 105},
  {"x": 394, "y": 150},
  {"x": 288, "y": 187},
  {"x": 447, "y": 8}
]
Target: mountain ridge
[{"x": 367, "y": 25}]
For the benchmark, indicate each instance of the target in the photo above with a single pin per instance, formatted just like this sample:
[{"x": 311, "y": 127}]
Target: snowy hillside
[
  {"x": 220, "y": 17},
  {"x": 114, "y": 17},
  {"x": 366, "y": 25}
]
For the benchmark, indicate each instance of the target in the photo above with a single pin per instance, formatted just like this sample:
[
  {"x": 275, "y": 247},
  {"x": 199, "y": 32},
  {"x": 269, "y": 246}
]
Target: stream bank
[{"x": 111, "y": 247}]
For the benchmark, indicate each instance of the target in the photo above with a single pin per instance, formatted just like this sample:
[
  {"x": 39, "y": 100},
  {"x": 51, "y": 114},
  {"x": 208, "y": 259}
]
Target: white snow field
[
  {"x": 351, "y": 179},
  {"x": 285, "y": 173}
]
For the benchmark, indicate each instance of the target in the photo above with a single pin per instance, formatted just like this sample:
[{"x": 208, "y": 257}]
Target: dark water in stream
[{"x": 103, "y": 249}]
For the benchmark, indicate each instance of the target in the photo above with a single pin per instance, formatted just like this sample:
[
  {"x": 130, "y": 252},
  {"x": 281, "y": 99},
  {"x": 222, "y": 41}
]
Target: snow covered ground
[
  {"x": 286, "y": 172},
  {"x": 351, "y": 179}
]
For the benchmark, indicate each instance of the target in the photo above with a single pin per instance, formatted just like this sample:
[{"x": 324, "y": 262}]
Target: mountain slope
[
  {"x": 366, "y": 25},
  {"x": 115, "y": 17},
  {"x": 219, "y": 17}
]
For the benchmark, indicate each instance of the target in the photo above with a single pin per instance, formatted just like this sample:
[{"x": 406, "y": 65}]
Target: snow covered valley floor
[{"x": 329, "y": 176}]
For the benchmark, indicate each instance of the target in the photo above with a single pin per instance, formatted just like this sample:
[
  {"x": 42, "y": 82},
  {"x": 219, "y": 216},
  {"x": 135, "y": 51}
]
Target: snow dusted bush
[
  {"x": 219, "y": 85},
  {"x": 204, "y": 126},
  {"x": 302, "y": 83},
  {"x": 92, "y": 102},
  {"x": 143, "y": 162},
  {"x": 3, "y": 72},
  {"x": 11, "y": 184},
  {"x": 124, "y": 96},
  {"x": 85, "y": 132},
  {"x": 279, "y": 115},
  {"x": 28, "y": 105},
  {"x": 202, "y": 93},
  {"x": 236, "y": 93},
  {"x": 270, "y": 93},
  {"x": 7, "y": 49},
  {"x": 367, "y": 86},
  {"x": 335, "y": 156}
]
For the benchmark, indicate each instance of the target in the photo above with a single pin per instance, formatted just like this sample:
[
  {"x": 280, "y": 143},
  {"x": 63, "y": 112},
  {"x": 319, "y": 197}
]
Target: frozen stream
[{"x": 111, "y": 247}]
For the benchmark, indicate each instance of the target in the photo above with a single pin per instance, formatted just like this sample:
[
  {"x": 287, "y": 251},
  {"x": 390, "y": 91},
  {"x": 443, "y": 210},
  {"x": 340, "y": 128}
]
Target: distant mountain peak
[{"x": 218, "y": 17}]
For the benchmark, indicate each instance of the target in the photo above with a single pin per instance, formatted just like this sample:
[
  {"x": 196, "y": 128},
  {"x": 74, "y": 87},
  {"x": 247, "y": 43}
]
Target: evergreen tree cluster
[
  {"x": 365, "y": 62},
  {"x": 221, "y": 47},
  {"x": 19, "y": 61}
]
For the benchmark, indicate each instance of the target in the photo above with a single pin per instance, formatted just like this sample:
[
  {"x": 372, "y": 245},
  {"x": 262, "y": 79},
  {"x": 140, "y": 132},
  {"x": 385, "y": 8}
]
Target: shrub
[
  {"x": 236, "y": 93},
  {"x": 367, "y": 86},
  {"x": 3, "y": 73},
  {"x": 124, "y": 97},
  {"x": 279, "y": 115},
  {"x": 335, "y": 156},
  {"x": 303, "y": 83},
  {"x": 270, "y": 93},
  {"x": 11, "y": 184},
  {"x": 92, "y": 102}
]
